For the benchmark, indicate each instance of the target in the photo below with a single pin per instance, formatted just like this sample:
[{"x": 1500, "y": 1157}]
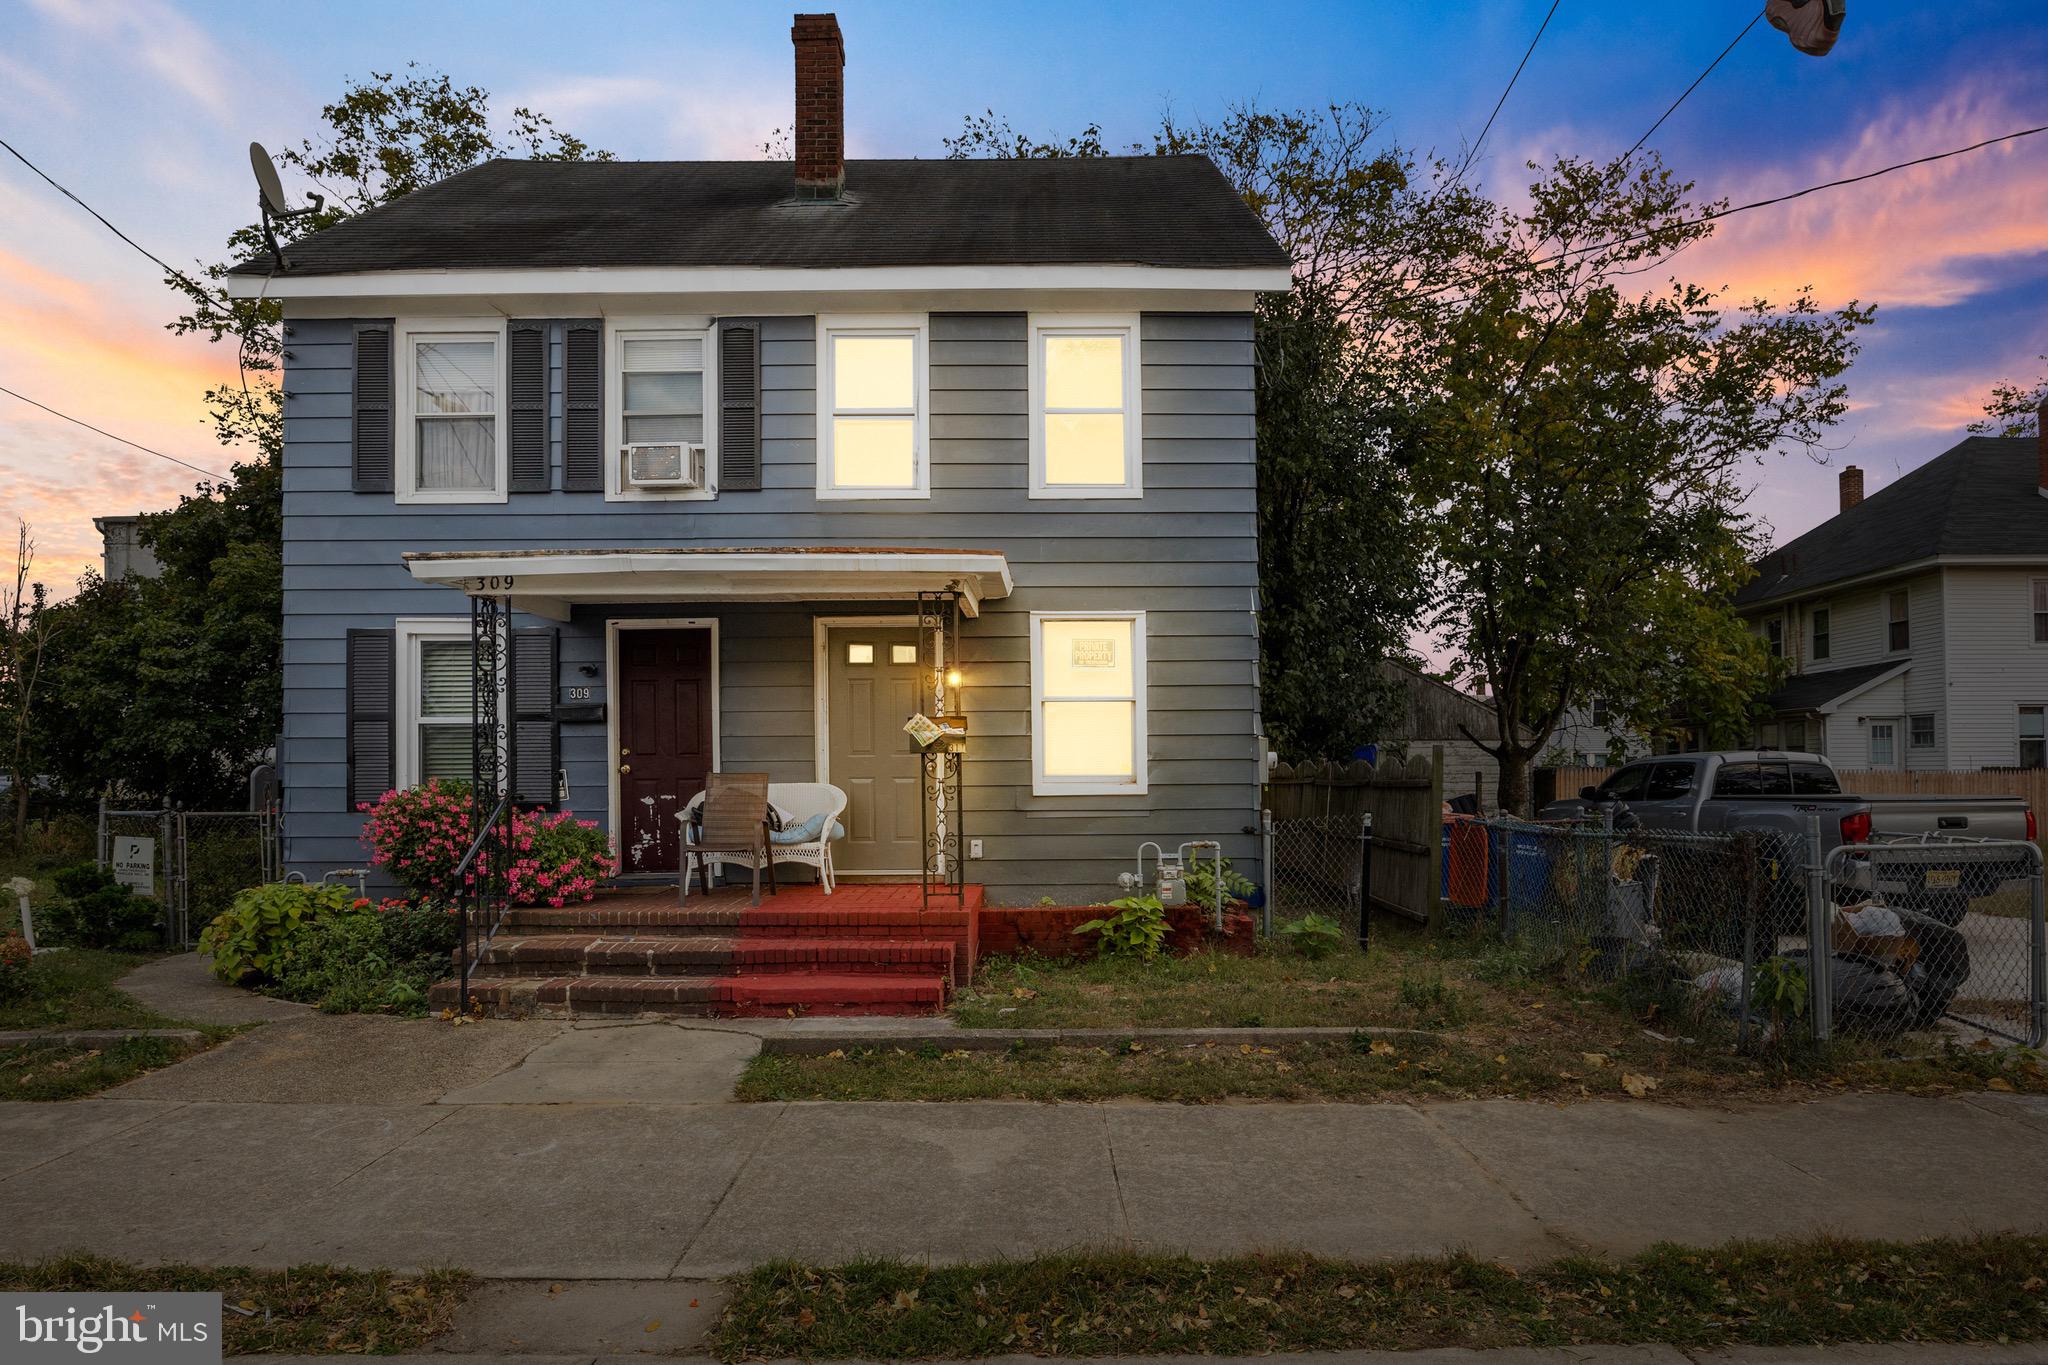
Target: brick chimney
[
  {"x": 820, "y": 128},
  {"x": 1852, "y": 486}
]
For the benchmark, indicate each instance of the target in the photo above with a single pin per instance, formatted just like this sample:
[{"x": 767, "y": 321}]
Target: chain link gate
[
  {"x": 1318, "y": 865},
  {"x": 202, "y": 859}
]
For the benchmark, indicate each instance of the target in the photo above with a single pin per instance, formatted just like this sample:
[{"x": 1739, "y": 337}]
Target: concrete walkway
[
  {"x": 183, "y": 987},
  {"x": 608, "y": 1190}
]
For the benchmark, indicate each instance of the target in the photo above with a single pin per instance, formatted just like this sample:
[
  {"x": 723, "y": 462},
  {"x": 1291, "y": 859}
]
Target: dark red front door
[{"x": 664, "y": 692}]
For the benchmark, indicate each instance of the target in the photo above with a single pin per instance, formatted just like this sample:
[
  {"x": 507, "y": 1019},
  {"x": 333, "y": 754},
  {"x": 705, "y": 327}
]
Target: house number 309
[
  {"x": 495, "y": 583},
  {"x": 579, "y": 694}
]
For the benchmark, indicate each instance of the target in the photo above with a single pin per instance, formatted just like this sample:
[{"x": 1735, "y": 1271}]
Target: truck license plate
[{"x": 1944, "y": 878}]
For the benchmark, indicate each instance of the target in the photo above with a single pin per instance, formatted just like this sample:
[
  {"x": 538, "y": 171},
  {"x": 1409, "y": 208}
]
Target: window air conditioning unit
[{"x": 664, "y": 464}]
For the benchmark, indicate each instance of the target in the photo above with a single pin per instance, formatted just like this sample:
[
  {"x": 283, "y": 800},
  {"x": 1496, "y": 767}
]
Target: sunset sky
[{"x": 144, "y": 110}]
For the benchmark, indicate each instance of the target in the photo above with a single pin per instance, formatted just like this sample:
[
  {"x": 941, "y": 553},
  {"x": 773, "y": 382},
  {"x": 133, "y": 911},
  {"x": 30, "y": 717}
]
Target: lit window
[
  {"x": 2034, "y": 736},
  {"x": 1088, "y": 693},
  {"x": 453, "y": 448},
  {"x": 1085, "y": 407},
  {"x": 860, "y": 654},
  {"x": 902, "y": 654},
  {"x": 871, "y": 427}
]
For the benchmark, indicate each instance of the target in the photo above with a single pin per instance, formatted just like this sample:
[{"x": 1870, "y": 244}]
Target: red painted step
[{"x": 756, "y": 995}]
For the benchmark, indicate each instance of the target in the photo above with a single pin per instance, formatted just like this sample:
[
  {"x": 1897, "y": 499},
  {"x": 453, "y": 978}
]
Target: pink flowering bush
[
  {"x": 420, "y": 834},
  {"x": 14, "y": 960},
  {"x": 557, "y": 858}
]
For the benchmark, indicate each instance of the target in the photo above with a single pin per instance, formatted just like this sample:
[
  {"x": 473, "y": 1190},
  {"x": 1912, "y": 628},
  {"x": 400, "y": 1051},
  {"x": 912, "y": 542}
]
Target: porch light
[{"x": 952, "y": 677}]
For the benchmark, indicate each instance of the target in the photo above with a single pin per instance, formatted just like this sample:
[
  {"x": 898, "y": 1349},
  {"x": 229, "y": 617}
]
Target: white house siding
[
  {"x": 1848, "y": 728},
  {"x": 1186, "y": 555},
  {"x": 1859, "y": 622},
  {"x": 1994, "y": 666}
]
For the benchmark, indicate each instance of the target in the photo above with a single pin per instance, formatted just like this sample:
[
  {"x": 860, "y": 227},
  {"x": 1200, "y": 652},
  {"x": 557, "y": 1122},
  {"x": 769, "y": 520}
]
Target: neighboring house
[
  {"x": 1024, "y": 385},
  {"x": 1435, "y": 713},
  {"x": 1587, "y": 737},
  {"x": 122, "y": 551},
  {"x": 1916, "y": 620}
]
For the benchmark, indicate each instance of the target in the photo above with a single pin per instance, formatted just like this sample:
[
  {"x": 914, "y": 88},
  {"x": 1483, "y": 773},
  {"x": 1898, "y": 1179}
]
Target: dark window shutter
[
  {"x": 526, "y": 404},
  {"x": 371, "y": 410},
  {"x": 583, "y": 407},
  {"x": 739, "y": 406},
  {"x": 372, "y": 684},
  {"x": 536, "y": 738}
]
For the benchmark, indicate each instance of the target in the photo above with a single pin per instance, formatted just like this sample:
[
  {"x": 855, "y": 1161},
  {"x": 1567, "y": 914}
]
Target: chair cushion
[{"x": 807, "y": 831}]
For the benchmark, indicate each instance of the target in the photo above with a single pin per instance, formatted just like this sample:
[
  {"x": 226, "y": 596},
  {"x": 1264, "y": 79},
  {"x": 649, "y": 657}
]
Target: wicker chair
[{"x": 733, "y": 829}]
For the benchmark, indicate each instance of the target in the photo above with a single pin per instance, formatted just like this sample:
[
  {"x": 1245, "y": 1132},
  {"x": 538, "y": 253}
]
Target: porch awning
[
  {"x": 548, "y": 582},
  {"x": 1824, "y": 691}
]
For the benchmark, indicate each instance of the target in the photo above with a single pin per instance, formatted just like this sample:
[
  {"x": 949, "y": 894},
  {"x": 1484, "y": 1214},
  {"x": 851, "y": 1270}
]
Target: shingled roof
[
  {"x": 1170, "y": 211},
  {"x": 1979, "y": 499}
]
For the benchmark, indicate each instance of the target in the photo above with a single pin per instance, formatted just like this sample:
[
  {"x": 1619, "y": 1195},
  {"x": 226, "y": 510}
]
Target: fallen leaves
[{"x": 1636, "y": 1085}]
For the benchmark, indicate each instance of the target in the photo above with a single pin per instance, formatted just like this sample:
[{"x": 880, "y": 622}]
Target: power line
[
  {"x": 180, "y": 276},
  {"x": 110, "y": 435},
  {"x": 1730, "y": 212},
  {"x": 1509, "y": 88},
  {"x": 1695, "y": 84}
]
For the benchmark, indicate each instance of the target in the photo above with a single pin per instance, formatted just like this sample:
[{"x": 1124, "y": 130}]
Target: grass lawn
[
  {"x": 1502, "y": 1024},
  {"x": 70, "y": 1073},
  {"x": 74, "y": 988},
  {"x": 1765, "y": 1294},
  {"x": 305, "y": 1310}
]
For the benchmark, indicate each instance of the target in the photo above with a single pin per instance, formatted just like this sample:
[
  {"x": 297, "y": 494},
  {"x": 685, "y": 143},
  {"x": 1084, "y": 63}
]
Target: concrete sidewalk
[{"x": 640, "y": 1191}]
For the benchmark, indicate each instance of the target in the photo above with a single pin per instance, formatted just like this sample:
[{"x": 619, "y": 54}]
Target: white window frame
[
  {"x": 1140, "y": 782},
  {"x": 2034, "y": 613},
  {"x": 617, "y": 332},
  {"x": 917, "y": 326},
  {"x": 1815, "y": 635},
  {"x": 408, "y": 333},
  {"x": 1897, "y": 725},
  {"x": 2020, "y": 739},
  {"x": 407, "y": 633},
  {"x": 1906, "y": 621},
  {"x": 1045, "y": 325}
]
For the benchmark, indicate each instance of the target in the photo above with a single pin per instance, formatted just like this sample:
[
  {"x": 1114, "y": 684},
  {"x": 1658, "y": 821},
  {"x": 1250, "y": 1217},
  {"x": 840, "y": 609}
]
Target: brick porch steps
[{"x": 867, "y": 949}]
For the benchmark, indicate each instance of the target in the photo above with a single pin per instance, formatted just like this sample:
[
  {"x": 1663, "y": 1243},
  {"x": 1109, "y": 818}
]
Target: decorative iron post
[
  {"x": 490, "y": 758},
  {"x": 943, "y": 869}
]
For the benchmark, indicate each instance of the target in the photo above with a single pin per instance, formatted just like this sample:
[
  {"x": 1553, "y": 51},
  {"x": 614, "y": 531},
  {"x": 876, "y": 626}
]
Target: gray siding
[{"x": 1186, "y": 554}]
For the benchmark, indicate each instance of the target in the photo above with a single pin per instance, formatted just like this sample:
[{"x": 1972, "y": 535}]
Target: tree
[
  {"x": 169, "y": 689},
  {"x": 2013, "y": 409},
  {"x": 25, "y": 629},
  {"x": 1367, "y": 226},
  {"x": 1579, "y": 443}
]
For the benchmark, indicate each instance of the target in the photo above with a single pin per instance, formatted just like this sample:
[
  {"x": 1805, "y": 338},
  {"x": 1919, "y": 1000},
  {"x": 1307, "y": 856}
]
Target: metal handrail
[{"x": 475, "y": 894}]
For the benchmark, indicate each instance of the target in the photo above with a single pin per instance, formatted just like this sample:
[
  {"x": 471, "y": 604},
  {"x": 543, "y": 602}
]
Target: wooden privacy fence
[
  {"x": 1405, "y": 799},
  {"x": 2030, "y": 783}
]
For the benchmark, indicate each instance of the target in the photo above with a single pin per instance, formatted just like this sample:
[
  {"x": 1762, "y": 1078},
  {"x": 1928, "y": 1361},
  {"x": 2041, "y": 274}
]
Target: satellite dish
[
  {"x": 270, "y": 201},
  {"x": 267, "y": 183}
]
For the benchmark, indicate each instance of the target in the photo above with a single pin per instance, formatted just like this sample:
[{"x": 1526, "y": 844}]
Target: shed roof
[{"x": 1167, "y": 211}]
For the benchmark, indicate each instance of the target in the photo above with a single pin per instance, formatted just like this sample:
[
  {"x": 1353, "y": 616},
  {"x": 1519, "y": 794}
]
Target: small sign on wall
[
  {"x": 134, "y": 863},
  {"x": 1094, "y": 652}
]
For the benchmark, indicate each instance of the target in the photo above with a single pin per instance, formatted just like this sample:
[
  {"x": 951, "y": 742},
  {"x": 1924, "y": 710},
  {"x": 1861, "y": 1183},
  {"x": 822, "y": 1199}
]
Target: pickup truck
[{"x": 1769, "y": 791}]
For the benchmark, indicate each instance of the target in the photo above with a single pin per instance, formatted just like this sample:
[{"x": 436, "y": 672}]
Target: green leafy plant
[
  {"x": 1137, "y": 929},
  {"x": 256, "y": 936},
  {"x": 1779, "y": 990},
  {"x": 1314, "y": 936},
  {"x": 1201, "y": 881},
  {"x": 1430, "y": 998},
  {"x": 346, "y": 964},
  {"x": 95, "y": 911}
]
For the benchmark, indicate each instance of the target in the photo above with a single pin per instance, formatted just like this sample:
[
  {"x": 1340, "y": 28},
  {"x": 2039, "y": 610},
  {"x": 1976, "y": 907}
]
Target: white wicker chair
[{"x": 797, "y": 803}]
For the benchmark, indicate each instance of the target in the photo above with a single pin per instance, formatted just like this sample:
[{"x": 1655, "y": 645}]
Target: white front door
[{"x": 1884, "y": 744}]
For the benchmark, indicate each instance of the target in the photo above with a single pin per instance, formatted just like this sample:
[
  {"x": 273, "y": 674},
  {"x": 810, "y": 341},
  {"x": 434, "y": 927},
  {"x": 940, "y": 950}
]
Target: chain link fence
[
  {"x": 1758, "y": 930},
  {"x": 1317, "y": 865},
  {"x": 196, "y": 861}
]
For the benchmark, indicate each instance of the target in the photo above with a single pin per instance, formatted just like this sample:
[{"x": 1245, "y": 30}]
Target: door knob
[{"x": 625, "y": 767}]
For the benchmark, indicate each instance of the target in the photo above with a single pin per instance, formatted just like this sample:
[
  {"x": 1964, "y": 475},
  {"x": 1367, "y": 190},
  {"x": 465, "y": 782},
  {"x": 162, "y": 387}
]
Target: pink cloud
[{"x": 1918, "y": 237}]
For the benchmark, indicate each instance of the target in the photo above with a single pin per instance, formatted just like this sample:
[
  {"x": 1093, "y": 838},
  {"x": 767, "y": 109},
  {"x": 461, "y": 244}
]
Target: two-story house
[
  {"x": 733, "y": 439},
  {"x": 1915, "y": 621}
]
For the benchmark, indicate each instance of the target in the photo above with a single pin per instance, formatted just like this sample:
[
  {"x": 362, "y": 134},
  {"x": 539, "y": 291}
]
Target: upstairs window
[
  {"x": 656, "y": 388},
  {"x": 1774, "y": 636},
  {"x": 451, "y": 444},
  {"x": 871, "y": 412},
  {"x": 1088, "y": 704},
  {"x": 1898, "y": 626},
  {"x": 2041, "y": 611},
  {"x": 1823, "y": 632},
  {"x": 1083, "y": 379}
]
